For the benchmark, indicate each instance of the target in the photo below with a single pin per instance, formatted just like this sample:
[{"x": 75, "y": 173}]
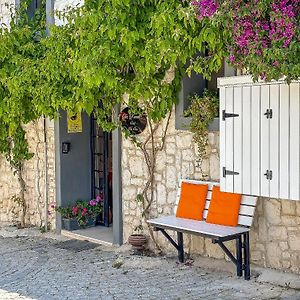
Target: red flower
[
  {"x": 84, "y": 211},
  {"x": 75, "y": 210}
]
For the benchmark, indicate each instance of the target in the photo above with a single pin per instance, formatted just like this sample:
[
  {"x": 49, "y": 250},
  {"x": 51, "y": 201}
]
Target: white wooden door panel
[
  {"x": 255, "y": 140},
  {"x": 238, "y": 140},
  {"x": 246, "y": 155},
  {"x": 222, "y": 139},
  {"x": 229, "y": 139},
  {"x": 294, "y": 141},
  {"x": 274, "y": 141},
  {"x": 264, "y": 140},
  {"x": 284, "y": 136}
]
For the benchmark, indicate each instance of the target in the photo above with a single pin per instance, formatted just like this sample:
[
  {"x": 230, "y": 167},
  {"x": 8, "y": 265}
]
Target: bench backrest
[{"x": 247, "y": 208}]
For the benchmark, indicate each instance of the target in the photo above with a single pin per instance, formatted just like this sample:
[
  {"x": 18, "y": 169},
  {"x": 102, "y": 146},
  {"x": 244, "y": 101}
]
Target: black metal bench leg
[
  {"x": 246, "y": 256},
  {"x": 180, "y": 247},
  {"x": 239, "y": 257}
]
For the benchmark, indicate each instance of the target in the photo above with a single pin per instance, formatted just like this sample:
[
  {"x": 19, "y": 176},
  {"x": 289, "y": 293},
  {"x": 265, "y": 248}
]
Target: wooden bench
[{"x": 218, "y": 233}]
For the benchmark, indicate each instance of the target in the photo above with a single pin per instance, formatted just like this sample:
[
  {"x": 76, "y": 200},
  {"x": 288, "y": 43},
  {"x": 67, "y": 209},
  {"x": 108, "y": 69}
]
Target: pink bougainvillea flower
[
  {"x": 84, "y": 211},
  {"x": 205, "y": 8},
  {"x": 75, "y": 210}
]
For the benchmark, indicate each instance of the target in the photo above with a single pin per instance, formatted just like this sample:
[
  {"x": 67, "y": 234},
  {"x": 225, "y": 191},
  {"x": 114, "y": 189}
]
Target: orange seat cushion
[
  {"x": 192, "y": 201},
  {"x": 224, "y": 208}
]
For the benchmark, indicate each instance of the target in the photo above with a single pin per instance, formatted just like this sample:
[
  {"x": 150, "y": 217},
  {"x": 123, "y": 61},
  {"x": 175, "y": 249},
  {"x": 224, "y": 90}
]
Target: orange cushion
[
  {"x": 224, "y": 208},
  {"x": 192, "y": 201}
]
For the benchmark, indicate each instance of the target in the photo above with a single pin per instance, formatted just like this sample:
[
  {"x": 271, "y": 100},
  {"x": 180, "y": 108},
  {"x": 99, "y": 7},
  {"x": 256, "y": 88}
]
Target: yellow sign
[{"x": 74, "y": 122}]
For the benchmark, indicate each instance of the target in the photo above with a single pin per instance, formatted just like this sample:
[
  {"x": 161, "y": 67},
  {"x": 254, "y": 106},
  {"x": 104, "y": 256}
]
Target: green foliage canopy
[{"x": 107, "y": 53}]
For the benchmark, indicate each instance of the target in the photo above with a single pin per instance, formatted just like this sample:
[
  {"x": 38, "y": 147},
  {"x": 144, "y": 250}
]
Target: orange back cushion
[
  {"x": 192, "y": 201},
  {"x": 224, "y": 208}
]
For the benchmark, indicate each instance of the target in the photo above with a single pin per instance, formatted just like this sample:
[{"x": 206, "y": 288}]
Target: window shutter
[{"x": 260, "y": 139}]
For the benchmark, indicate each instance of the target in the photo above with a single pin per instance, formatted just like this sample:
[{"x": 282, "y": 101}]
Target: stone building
[{"x": 275, "y": 236}]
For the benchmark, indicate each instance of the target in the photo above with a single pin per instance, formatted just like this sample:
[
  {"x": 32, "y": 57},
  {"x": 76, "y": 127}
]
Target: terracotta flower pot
[{"x": 137, "y": 241}]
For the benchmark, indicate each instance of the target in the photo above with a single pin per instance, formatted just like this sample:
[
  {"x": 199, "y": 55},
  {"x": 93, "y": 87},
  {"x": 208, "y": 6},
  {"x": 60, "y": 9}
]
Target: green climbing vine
[
  {"x": 203, "y": 110},
  {"x": 108, "y": 53},
  {"x": 19, "y": 53}
]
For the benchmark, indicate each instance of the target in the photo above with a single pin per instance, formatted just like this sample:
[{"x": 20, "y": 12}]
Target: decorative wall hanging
[{"x": 135, "y": 123}]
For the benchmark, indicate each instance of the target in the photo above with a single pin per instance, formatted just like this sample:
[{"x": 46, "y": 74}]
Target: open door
[{"x": 101, "y": 150}]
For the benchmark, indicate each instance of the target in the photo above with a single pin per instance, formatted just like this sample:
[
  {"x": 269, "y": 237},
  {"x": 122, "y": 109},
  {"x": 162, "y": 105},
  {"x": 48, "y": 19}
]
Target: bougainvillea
[{"x": 260, "y": 36}]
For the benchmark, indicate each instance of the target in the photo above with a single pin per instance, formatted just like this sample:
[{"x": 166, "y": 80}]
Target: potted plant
[
  {"x": 82, "y": 214},
  {"x": 138, "y": 240},
  {"x": 68, "y": 221}
]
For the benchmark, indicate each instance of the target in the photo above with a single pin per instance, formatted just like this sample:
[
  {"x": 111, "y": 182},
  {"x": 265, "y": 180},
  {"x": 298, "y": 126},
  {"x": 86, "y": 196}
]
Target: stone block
[
  {"x": 188, "y": 155},
  {"x": 294, "y": 242},
  {"x": 136, "y": 166},
  {"x": 171, "y": 177},
  {"x": 290, "y": 220},
  {"x": 288, "y": 207},
  {"x": 272, "y": 209},
  {"x": 126, "y": 177},
  {"x": 171, "y": 197},
  {"x": 213, "y": 250},
  {"x": 256, "y": 255},
  {"x": 184, "y": 141},
  {"x": 161, "y": 194},
  {"x": 273, "y": 255},
  {"x": 170, "y": 148},
  {"x": 277, "y": 233},
  {"x": 187, "y": 169},
  {"x": 211, "y": 138},
  {"x": 214, "y": 163},
  {"x": 283, "y": 246},
  {"x": 129, "y": 193},
  {"x": 137, "y": 181}
]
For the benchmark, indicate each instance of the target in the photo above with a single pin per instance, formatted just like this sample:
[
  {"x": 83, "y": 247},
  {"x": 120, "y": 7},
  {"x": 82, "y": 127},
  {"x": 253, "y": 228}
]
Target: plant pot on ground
[
  {"x": 137, "y": 241},
  {"x": 69, "y": 224}
]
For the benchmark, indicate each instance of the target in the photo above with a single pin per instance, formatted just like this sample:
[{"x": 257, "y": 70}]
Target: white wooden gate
[{"x": 260, "y": 137}]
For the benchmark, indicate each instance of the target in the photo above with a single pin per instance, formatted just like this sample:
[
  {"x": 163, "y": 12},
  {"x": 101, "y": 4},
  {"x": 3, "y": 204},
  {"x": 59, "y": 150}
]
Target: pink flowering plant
[
  {"x": 262, "y": 37},
  {"x": 83, "y": 211}
]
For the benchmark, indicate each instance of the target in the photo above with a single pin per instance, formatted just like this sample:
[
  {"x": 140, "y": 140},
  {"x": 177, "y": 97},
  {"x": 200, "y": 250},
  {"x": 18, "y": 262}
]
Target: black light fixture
[{"x": 65, "y": 147}]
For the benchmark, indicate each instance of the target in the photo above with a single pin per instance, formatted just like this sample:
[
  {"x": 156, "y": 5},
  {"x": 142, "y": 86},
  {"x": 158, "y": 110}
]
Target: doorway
[
  {"x": 92, "y": 167},
  {"x": 101, "y": 171}
]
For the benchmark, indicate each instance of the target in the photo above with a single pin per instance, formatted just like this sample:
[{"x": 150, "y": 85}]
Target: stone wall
[
  {"x": 34, "y": 175},
  {"x": 275, "y": 236}
]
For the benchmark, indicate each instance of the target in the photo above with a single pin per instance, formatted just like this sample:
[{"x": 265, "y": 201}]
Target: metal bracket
[
  {"x": 228, "y": 115},
  {"x": 228, "y": 172},
  {"x": 269, "y": 113},
  {"x": 269, "y": 174}
]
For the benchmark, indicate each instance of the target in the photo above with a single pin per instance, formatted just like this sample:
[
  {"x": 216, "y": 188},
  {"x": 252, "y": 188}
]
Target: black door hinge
[
  {"x": 227, "y": 172},
  {"x": 269, "y": 113},
  {"x": 269, "y": 174},
  {"x": 228, "y": 115}
]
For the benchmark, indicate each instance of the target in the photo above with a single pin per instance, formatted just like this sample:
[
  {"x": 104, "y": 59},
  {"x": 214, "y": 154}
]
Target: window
[
  {"x": 34, "y": 4},
  {"x": 196, "y": 85}
]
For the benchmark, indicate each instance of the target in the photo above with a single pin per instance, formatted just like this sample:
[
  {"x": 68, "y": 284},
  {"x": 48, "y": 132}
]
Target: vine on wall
[{"x": 106, "y": 50}]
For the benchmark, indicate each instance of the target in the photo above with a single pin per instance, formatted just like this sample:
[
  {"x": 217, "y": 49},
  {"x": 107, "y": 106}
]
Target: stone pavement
[{"x": 53, "y": 267}]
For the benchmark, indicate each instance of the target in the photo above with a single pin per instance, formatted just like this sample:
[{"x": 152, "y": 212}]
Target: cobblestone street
[{"x": 56, "y": 268}]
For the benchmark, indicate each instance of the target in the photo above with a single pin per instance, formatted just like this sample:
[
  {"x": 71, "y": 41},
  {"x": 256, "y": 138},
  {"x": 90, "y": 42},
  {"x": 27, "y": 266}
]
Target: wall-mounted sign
[
  {"x": 136, "y": 124},
  {"x": 74, "y": 122}
]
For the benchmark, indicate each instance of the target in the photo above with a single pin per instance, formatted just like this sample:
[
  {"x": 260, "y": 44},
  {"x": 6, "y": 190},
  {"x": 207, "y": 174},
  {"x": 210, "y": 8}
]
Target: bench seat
[
  {"x": 197, "y": 227},
  {"x": 217, "y": 233}
]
